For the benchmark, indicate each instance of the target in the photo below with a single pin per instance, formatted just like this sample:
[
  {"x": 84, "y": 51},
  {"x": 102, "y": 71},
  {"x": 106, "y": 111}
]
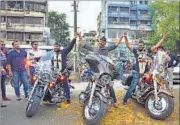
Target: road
[{"x": 133, "y": 114}]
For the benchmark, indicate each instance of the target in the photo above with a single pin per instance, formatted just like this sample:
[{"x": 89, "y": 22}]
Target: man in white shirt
[{"x": 34, "y": 56}]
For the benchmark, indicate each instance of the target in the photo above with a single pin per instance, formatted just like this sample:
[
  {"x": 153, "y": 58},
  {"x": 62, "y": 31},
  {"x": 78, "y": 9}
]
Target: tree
[
  {"x": 165, "y": 20},
  {"x": 58, "y": 26}
]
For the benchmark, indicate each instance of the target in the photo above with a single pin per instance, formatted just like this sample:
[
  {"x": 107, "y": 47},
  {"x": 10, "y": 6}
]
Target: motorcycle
[
  {"x": 48, "y": 85},
  {"x": 152, "y": 91},
  {"x": 96, "y": 98}
]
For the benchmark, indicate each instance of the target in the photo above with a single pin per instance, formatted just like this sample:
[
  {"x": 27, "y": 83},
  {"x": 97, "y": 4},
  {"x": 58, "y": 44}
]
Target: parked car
[{"x": 176, "y": 74}]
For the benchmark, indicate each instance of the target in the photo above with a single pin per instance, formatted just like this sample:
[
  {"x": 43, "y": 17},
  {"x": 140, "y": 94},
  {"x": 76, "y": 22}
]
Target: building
[
  {"x": 23, "y": 20},
  {"x": 118, "y": 17}
]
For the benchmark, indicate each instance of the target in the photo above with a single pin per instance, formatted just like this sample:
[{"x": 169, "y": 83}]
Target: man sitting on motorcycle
[
  {"x": 141, "y": 64},
  {"x": 102, "y": 49},
  {"x": 59, "y": 62}
]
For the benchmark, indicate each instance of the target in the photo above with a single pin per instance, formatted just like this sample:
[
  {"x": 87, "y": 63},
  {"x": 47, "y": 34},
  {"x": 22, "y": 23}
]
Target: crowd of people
[{"x": 13, "y": 63}]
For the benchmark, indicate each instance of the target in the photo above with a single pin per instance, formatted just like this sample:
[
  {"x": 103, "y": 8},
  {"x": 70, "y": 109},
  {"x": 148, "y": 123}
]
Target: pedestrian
[
  {"x": 2, "y": 71},
  {"x": 4, "y": 74},
  {"x": 16, "y": 60},
  {"x": 172, "y": 63}
]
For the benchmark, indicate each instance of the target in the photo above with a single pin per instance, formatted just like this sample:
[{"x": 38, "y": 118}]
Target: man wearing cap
[
  {"x": 102, "y": 49},
  {"x": 59, "y": 62}
]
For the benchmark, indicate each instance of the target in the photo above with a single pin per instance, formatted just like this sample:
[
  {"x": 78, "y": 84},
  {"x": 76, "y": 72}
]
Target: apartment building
[{"x": 23, "y": 20}]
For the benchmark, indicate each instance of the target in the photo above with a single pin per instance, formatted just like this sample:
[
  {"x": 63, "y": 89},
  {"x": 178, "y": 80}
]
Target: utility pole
[{"x": 75, "y": 5}]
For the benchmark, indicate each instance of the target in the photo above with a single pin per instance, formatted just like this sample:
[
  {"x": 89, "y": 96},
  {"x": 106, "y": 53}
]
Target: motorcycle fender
[
  {"x": 160, "y": 91},
  {"x": 102, "y": 97}
]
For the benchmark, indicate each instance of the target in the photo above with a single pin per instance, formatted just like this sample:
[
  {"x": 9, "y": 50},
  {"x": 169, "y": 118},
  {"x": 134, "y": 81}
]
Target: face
[
  {"x": 102, "y": 43},
  {"x": 2, "y": 45},
  {"x": 56, "y": 48},
  {"x": 16, "y": 45},
  {"x": 168, "y": 52},
  {"x": 140, "y": 46},
  {"x": 35, "y": 45}
]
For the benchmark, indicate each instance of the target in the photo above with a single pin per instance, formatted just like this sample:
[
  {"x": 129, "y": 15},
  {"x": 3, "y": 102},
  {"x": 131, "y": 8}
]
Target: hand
[
  {"x": 77, "y": 35},
  {"x": 3, "y": 71},
  {"x": 125, "y": 34},
  {"x": 10, "y": 73},
  {"x": 165, "y": 36}
]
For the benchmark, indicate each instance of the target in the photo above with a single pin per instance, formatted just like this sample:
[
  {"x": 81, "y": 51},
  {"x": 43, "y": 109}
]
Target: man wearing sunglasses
[{"x": 102, "y": 49}]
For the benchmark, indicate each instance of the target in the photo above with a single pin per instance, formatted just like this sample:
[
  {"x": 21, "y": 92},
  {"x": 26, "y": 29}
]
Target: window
[
  {"x": 124, "y": 20},
  {"x": 144, "y": 12},
  {"x": 112, "y": 20},
  {"x": 144, "y": 22},
  {"x": 15, "y": 20},
  {"x": 10, "y": 35},
  {"x": 2, "y": 5},
  {"x": 15, "y": 4},
  {"x": 146, "y": 2},
  {"x": 132, "y": 22},
  {"x": 112, "y": 9},
  {"x": 141, "y": 2},
  {"x": 34, "y": 20},
  {"x": 18, "y": 36},
  {"x": 111, "y": 33},
  {"x": 133, "y": 12},
  {"x": 2, "y": 35},
  {"x": 3, "y": 19},
  {"x": 124, "y": 9}
]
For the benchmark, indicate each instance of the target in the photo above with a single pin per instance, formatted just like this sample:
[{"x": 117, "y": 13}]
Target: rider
[
  {"x": 140, "y": 66},
  {"x": 33, "y": 55},
  {"x": 59, "y": 62},
  {"x": 103, "y": 50}
]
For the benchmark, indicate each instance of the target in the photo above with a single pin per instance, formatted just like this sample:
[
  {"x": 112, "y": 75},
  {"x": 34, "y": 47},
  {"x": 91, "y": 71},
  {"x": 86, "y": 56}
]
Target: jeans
[
  {"x": 20, "y": 76},
  {"x": 131, "y": 88},
  {"x": 67, "y": 89},
  {"x": 3, "y": 85}
]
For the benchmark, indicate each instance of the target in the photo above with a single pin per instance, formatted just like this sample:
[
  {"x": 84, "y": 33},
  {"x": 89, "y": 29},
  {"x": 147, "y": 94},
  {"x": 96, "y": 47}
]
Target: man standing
[
  {"x": 103, "y": 50},
  {"x": 173, "y": 63},
  {"x": 59, "y": 62},
  {"x": 34, "y": 56},
  {"x": 16, "y": 66},
  {"x": 3, "y": 75},
  {"x": 2, "y": 71},
  {"x": 141, "y": 66}
]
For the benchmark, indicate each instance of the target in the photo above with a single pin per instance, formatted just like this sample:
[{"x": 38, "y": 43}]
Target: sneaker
[
  {"x": 3, "y": 105},
  {"x": 6, "y": 99},
  {"x": 125, "y": 103},
  {"x": 68, "y": 101},
  {"x": 18, "y": 98}
]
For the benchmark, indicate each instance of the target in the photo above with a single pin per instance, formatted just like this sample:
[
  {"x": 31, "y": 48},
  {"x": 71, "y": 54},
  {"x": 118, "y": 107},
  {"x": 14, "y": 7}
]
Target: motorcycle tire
[
  {"x": 157, "y": 113},
  {"x": 33, "y": 106},
  {"x": 100, "y": 114}
]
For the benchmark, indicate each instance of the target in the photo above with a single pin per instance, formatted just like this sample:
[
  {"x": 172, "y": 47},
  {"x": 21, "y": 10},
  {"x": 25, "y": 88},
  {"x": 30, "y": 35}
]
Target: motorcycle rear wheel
[
  {"x": 163, "y": 109},
  {"x": 100, "y": 112}
]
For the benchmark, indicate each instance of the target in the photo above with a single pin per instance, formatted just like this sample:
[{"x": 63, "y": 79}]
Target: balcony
[
  {"x": 9, "y": 12},
  {"x": 117, "y": 26},
  {"x": 21, "y": 13},
  {"x": 33, "y": 28}
]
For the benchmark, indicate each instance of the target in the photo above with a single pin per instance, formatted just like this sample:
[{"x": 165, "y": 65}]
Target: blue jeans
[
  {"x": 67, "y": 89},
  {"x": 3, "y": 85},
  {"x": 20, "y": 76},
  {"x": 131, "y": 88}
]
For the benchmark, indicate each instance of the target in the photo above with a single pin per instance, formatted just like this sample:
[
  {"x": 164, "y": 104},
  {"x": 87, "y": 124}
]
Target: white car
[{"x": 176, "y": 74}]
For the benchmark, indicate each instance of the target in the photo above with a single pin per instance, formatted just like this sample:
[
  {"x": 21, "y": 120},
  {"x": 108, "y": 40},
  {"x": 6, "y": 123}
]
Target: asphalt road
[{"x": 65, "y": 114}]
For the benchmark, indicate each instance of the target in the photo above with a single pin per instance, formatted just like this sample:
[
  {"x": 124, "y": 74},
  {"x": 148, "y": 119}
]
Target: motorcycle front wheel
[
  {"x": 160, "y": 109},
  {"x": 93, "y": 115},
  {"x": 33, "y": 105}
]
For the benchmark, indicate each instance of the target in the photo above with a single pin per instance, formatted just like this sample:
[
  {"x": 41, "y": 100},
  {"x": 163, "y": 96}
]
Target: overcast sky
[{"x": 87, "y": 15}]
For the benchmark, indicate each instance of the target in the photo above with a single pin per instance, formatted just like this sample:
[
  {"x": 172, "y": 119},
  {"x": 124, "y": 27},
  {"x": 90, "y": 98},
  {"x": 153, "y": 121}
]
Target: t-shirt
[{"x": 141, "y": 63}]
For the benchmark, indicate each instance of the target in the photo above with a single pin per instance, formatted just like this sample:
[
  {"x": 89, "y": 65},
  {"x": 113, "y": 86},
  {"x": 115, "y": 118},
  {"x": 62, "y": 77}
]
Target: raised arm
[
  {"x": 165, "y": 36},
  {"x": 110, "y": 48},
  {"x": 127, "y": 43}
]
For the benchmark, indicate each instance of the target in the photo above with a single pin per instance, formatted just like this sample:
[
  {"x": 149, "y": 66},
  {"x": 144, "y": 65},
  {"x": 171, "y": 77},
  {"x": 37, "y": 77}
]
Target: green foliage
[
  {"x": 165, "y": 20},
  {"x": 58, "y": 26}
]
